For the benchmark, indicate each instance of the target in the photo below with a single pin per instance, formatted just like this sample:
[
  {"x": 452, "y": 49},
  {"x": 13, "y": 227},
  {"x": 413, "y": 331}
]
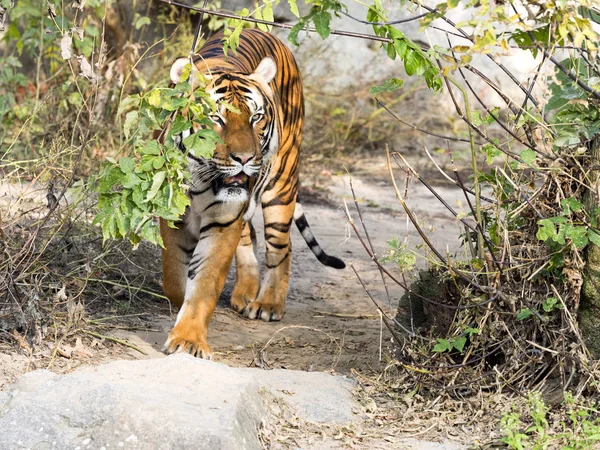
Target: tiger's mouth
[
  {"x": 234, "y": 188},
  {"x": 239, "y": 180}
]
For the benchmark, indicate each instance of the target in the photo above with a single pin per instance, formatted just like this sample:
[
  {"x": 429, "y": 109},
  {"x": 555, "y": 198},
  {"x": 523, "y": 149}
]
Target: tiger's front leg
[
  {"x": 206, "y": 273},
  {"x": 278, "y": 211},
  {"x": 247, "y": 281}
]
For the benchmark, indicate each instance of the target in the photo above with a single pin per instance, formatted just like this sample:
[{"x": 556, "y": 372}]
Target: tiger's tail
[{"x": 311, "y": 241}]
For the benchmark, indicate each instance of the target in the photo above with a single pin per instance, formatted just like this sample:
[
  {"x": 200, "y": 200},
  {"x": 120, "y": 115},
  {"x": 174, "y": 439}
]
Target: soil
[
  {"x": 331, "y": 324},
  {"x": 330, "y": 321}
]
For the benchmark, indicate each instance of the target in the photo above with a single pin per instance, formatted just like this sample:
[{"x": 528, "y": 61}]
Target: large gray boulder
[{"x": 175, "y": 402}]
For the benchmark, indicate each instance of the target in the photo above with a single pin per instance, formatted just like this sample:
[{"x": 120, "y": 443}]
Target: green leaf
[
  {"x": 411, "y": 62},
  {"x": 476, "y": 118},
  {"x": 151, "y": 233},
  {"x": 158, "y": 162},
  {"x": 122, "y": 222},
  {"x": 322, "y": 20},
  {"x": 594, "y": 237},
  {"x": 141, "y": 22},
  {"x": 179, "y": 125},
  {"x": 131, "y": 119},
  {"x": 577, "y": 235},
  {"x": 173, "y": 104},
  {"x": 442, "y": 345},
  {"x": 294, "y": 8},
  {"x": 491, "y": 152},
  {"x": 153, "y": 98},
  {"x": 202, "y": 143},
  {"x": 150, "y": 148},
  {"x": 524, "y": 314},
  {"x": 401, "y": 47},
  {"x": 471, "y": 331},
  {"x": 130, "y": 180},
  {"x": 127, "y": 164},
  {"x": 459, "y": 343},
  {"x": 156, "y": 184},
  {"x": 131, "y": 100},
  {"x": 109, "y": 228},
  {"x": 571, "y": 204},
  {"x": 180, "y": 201},
  {"x": 268, "y": 12},
  {"x": 293, "y": 34},
  {"x": 390, "y": 51},
  {"x": 550, "y": 303},
  {"x": 109, "y": 179},
  {"x": 390, "y": 85},
  {"x": 258, "y": 14},
  {"x": 547, "y": 230},
  {"x": 528, "y": 156},
  {"x": 230, "y": 107}
]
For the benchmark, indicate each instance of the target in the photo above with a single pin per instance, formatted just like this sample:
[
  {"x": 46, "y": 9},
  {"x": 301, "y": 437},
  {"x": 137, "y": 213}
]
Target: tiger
[{"x": 259, "y": 119}]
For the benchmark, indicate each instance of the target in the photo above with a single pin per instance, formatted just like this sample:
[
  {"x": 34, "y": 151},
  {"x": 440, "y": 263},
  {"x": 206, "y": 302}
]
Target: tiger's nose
[{"x": 242, "y": 158}]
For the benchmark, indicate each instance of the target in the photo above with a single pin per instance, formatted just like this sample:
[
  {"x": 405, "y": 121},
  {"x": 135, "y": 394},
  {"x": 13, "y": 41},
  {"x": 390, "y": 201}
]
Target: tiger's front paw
[
  {"x": 263, "y": 311},
  {"x": 194, "y": 346}
]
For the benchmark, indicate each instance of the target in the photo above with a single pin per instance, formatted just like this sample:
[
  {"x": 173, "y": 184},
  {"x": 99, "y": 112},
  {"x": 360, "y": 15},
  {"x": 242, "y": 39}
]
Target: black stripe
[
  {"x": 210, "y": 226},
  {"x": 195, "y": 192},
  {"x": 215, "y": 203},
  {"x": 302, "y": 223},
  {"x": 187, "y": 251},
  {"x": 278, "y": 246},
  {"x": 271, "y": 266},
  {"x": 279, "y": 226}
]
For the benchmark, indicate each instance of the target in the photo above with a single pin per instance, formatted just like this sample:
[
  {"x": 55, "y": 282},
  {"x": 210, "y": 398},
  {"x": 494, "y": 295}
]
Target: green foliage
[
  {"x": 152, "y": 182},
  {"x": 491, "y": 151},
  {"x": 524, "y": 313},
  {"x": 234, "y": 30},
  {"x": 567, "y": 228},
  {"x": 399, "y": 254},
  {"x": 319, "y": 15},
  {"x": 447, "y": 345},
  {"x": 477, "y": 119},
  {"x": 416, "y": 61},
  {"x": 551, "y": 304},
  {"x": 576, "y": 118},
  {"x": 36, "y": 32},
  {"x": 578, "y": 427},
  {"x": 393, "y": 84}
]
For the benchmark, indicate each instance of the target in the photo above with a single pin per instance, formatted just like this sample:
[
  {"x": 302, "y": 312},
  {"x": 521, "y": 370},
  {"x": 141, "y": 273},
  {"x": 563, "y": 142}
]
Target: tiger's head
[{"x": 248, "y": 131}]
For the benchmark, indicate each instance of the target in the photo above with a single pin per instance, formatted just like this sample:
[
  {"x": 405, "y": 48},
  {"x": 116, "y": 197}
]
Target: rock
[{"x": 175, "y": 402}]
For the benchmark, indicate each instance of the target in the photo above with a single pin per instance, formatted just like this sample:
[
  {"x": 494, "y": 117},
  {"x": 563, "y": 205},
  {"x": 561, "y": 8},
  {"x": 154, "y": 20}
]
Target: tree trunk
[{"x": 589, "y": 309}]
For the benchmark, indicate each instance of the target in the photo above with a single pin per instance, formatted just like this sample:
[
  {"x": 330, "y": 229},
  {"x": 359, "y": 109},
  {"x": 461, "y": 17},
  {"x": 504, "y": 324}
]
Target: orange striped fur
[{"x": 257, "y": 162}]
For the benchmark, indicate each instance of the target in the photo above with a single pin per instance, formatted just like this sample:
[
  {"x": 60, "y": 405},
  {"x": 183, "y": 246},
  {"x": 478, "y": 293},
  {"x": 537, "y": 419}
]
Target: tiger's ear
[
  {"x": 178, "y": 69},
  {"x": 266, "y": 70}
]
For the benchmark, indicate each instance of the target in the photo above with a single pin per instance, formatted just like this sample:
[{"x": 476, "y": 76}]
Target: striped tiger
[{"x": 257, "y": 161}]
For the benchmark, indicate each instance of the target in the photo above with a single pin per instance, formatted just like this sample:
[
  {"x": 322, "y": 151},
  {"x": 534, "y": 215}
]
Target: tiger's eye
[
  {"x": 256, "y": 117},
  {"x": 216, "y": 119}
]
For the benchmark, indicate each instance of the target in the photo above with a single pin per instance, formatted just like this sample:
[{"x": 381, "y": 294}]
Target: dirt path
[{"x": 330, "y": 323}]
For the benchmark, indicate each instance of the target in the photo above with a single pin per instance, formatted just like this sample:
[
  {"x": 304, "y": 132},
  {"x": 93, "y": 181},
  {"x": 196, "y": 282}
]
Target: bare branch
[{"x": 286, "y": 26}]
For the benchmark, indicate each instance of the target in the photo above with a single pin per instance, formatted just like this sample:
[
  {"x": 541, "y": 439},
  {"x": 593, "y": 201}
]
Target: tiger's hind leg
[
  {"x": 278, "y": 210},
  {"x": 247, "y": 281}
]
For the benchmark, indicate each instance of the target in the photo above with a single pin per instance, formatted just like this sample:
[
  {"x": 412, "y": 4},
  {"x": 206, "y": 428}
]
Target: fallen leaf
[{"x": 65, "y": 46}]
